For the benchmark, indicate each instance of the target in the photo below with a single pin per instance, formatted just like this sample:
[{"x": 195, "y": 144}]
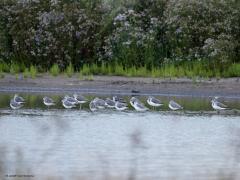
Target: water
[
  {"x": 191, "y": 104},
  {"x": 78, "y": 144}
]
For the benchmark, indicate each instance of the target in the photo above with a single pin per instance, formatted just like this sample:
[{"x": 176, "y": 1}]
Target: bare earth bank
[{"x": 228, "y": 88}]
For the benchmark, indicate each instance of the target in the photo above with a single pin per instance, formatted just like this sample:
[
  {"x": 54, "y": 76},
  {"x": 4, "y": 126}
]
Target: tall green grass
[
  {"x": 33, "y": 71},
  {"x": 232, "y": 71},
  {"x": 1, "y": 74},
  {"x": 54, "y": 70},
  {"x": 26, "y": 73},
  {"x": 189, "y": 70},
  {"x": 4, "y": 67},
  {"x": 14, "y": 68},
  {"x": 69, "y": 70}
]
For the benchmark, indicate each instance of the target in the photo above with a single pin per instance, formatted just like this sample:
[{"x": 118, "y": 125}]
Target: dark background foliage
[{"x": 132, "y": 33}]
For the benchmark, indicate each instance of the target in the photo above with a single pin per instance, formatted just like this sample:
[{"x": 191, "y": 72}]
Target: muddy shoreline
[{"x": 228, "y": 88}]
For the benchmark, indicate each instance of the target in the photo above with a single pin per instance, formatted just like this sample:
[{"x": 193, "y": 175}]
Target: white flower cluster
[{"x": 130, "y": 28}]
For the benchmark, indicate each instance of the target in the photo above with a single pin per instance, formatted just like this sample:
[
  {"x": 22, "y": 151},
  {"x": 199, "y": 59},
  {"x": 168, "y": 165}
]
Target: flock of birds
[{"x": 116, "y": 102}]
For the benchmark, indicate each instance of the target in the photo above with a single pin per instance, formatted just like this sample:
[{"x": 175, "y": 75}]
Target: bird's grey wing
[
  {"x": 68, "y": 103},
  {"x": 121, "y": 105},
  {"x": 19, "y": 99},
  {"x": 14, "y": 103},
  {"x": 100, "y": 102},
  {"x": 175, "y": 105},
  {"x": 118, "y": 98},
  {"x": 71, "y": 100},
  {"x": 221, "y": 104},
  {"x": 49, "y": 100},
  {"x": 92, "y": 105},
  {"x": 111, "y": 103},
  {"x": 156, "y": 101},
  {"x": 140, "y": 105},
  {"x": 81, "y": 98}
]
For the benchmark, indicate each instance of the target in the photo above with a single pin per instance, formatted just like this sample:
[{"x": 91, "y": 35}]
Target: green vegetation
[
  {"x": 33, "y": 71},
  {"x": 185, "y": 69},
  {"x": 26, "y": 73},
  {"x": 190, "y": 70},
  {"x": 158, "y": 38},
  {"x": 14, "y": 68},
  {"x": 54, "y": 70},
  {"x": 1, "y": 74},
  {"x": 4, "y": 67},
  {"x": 69, "y": 70},
  {"x": 232, "y": 71}
]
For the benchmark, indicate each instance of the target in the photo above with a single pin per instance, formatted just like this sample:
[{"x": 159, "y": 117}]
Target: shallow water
[
  {"x": 78, "y": 144},
  {"x": 192, "y": 104}
]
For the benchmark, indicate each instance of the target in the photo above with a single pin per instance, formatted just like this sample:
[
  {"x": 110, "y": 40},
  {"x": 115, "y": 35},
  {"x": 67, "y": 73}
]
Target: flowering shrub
[
  {"x": 202, "y": 29},
  {"x": 137, "y": 33},
  {"x": 134, "y": 39},
  {"x": 48, "y": 32}
]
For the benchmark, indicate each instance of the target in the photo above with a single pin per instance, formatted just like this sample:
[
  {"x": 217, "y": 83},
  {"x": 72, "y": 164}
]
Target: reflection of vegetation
[
  {"x": 137, "y": 145},
  {"x": 189, "y": 104},
  {"x": 34, "y": 101},
  {"x": 4, "y": 101}
]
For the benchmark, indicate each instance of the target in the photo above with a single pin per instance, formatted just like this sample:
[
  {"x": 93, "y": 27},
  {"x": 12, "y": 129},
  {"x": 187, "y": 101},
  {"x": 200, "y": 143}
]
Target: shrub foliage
[{"x": 135, "y": 33}]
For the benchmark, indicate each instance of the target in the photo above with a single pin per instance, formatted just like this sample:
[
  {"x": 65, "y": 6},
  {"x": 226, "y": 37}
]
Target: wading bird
[
  {"x": 152, "y": 101},
  {"x": 110, "y": 103},
  {"x": 216, "y": 105},
  {"x": 121, "y": 106},
  {"x": 80, "y": 99},
  {"x": 67, "y": 104},
  {"x": 15, "y": 105},
  {"x": 19, "y": 99},
  {"x": 174, "y": 106},
  {"x": 48, "y": 101},
  {"x": 137, "y": 104}
]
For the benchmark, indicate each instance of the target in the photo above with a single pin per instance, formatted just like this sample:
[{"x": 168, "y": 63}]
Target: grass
[
  {"x": 89, "y": 78},
  {"x": 69, "y": 70},
  {"x": 232, "y": 71},
  {"x": 192, "y": 70},
  {"x": 1, "y": 75},
  {"x": 4, "y": 67},
  {"x": 33, "y": 71},
  {"x": 14, "y": 68},
  {"x": 54, "y": 70},
  {"x": 85, "y": 70},
  {"x": 26, "y": 73}
]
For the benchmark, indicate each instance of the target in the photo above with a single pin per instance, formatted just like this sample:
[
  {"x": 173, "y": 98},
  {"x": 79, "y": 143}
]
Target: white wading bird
[{"x": 174, "y": 106}]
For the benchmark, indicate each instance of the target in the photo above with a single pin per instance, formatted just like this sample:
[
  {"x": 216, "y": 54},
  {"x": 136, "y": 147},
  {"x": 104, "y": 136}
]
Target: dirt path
[{"x": 229, "y": 88}]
